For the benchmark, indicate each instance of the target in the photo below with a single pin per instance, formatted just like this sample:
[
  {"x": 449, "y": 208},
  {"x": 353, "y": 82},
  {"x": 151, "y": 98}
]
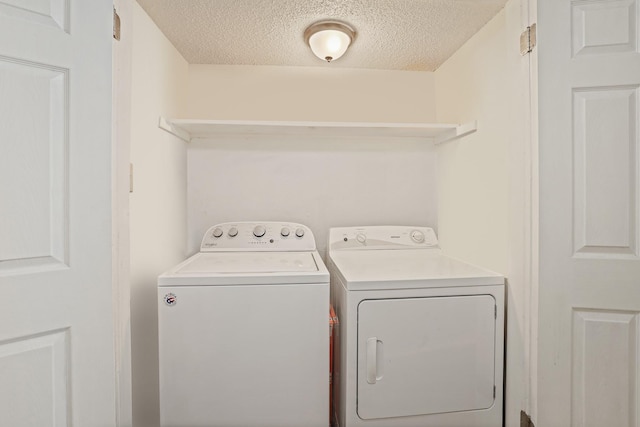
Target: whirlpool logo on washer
[{"x": 170, "y": 299}]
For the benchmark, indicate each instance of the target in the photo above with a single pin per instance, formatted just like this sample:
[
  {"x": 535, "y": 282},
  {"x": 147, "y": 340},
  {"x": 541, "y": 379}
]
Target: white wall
[
  {"x": 483, "y": 185},
  {"x": 309, "y": 93},
  {"x": 321, "y": 183},
  {"x": 473, "y": 171},
  {"x": 158, "y": 201}
]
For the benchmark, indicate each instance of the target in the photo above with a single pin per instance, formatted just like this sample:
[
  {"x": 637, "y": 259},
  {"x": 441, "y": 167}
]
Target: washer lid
[
  {"x": 232, "y": 268},
  {"x": 250, "y": 262},
  {"x": 407, "y": 269}
]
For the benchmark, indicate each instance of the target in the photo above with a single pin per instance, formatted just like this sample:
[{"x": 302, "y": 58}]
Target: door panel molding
[
  {"x": 605, "y": 367},
  {"x": 54, "y": 13},
  {"x": 35, "y": 379},
  {"x": 605, "y": 189},
  {"x": 602, "y": 27},
  {"x": 34, "y": 171}
]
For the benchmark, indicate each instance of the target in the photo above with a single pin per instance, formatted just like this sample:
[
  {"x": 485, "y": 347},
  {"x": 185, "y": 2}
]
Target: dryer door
[{"x": 420, "y": 356}]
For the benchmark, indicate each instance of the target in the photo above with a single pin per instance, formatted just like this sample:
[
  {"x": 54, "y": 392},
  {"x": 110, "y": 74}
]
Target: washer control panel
[
  {"x": 382, "y": 237},
  {"x": 258, "y": 236}
]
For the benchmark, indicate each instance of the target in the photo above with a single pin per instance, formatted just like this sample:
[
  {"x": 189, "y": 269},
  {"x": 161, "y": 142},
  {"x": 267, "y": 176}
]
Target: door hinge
[
  {"x": 494, "y": 392},
  {"x": 528, "y": 40},
  {"x": 116, "y": 24},
  {"x": 525, "y": 420},
  {"x": 495, "y": 311},
  {"x": 130, "y": 177}
]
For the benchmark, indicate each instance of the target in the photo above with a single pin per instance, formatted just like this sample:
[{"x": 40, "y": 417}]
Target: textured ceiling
[{"x": 391, "y": 34}]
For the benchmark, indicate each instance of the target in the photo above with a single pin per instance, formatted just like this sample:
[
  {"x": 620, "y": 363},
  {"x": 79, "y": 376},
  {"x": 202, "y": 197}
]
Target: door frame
[{"x": 121, "y": 186}]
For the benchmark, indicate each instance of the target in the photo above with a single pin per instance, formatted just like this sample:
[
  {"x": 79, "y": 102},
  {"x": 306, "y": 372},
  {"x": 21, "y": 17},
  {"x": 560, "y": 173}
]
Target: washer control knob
[
  {"x": 285, "y": 231},
  {"x": 259, "y": 231},
  {"x": 361, "y": 238},
  {"x": 417, "y": 236},
  {"x": 233, "y": 232},
  {"x": 300, "y": 232},
  {"x": 217, "y": 232}
]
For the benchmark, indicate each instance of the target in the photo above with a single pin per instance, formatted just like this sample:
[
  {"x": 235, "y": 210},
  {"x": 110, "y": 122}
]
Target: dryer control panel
[
  {"x": 382, "y": 237},
  {"x": 258, "y": 236}
]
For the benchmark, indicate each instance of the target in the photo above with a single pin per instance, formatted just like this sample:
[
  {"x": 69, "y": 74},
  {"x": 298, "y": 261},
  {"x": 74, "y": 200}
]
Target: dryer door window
[{"x": 420, "y": 356}]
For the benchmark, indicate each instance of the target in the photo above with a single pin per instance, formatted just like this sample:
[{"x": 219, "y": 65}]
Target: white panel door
[
  {"x": 420, "y": 356},
  {"x": 56, "y": 321},
  {"x": 589, "y": 254}
]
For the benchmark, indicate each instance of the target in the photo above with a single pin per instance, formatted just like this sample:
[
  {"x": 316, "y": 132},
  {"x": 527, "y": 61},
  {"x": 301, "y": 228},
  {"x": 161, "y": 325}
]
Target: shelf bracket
[
  {"x": 456, "y": 133},
  {"x": 174, "y": 130}
]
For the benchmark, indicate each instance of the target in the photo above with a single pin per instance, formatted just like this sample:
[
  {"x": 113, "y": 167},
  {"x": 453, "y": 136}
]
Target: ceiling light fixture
[{"x": 329, "y": 40}]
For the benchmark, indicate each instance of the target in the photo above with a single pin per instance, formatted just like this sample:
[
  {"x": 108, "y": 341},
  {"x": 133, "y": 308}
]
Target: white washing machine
[
  {"x": 421, "y": 335},
  {"x": 243, "y": 330}
]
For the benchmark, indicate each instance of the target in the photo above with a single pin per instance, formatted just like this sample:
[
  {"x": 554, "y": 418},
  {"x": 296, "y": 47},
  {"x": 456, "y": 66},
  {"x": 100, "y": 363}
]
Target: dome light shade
[{"x": 329, "y": 40}]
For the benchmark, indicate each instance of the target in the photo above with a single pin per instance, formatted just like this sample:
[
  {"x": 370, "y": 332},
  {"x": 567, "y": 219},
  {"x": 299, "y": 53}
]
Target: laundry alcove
[{"x": 326, "y": 147}]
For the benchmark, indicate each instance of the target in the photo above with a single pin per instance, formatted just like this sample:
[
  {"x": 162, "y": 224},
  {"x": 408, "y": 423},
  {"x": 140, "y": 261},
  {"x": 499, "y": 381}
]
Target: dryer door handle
[{"x": 375, "y": 360}]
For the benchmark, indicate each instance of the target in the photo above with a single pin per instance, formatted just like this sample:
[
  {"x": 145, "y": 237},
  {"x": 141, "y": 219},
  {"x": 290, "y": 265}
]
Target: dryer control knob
[
  {"x": 285, "y": 231},
  {"x": 417, "y": 236},
  {"x": 233, "y": 232},
  {"x": 217, "y": 232},
  {"x": 300, "y": 232},
  {"x": 361, "y": 238},
  {"x": 259, "y": 231}
]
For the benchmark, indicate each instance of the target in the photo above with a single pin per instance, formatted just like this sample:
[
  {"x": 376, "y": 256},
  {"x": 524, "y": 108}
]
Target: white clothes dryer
[
  {"x": 243, "y": 330},
  {"x": 421, "y": 335}
]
